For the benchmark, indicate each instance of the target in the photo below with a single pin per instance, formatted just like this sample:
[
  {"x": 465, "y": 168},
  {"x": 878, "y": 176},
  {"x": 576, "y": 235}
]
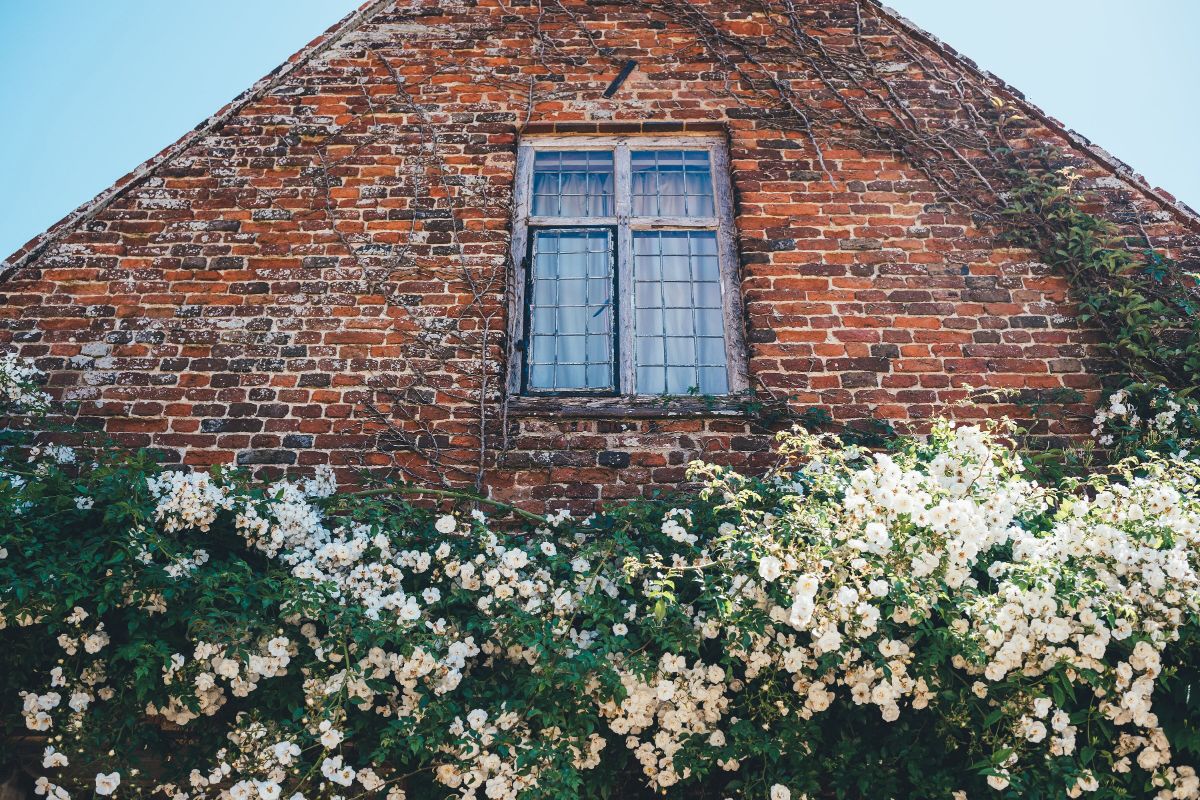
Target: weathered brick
[
  {"x": 231, "y": 425},
  {"x": 611, "y": 458},
  {"x": 250, "y": 457}
]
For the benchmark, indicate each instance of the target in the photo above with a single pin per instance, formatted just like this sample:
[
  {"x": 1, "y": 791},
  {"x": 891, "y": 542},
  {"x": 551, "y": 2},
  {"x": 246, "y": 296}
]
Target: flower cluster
[
  {"x": 19, "y": 382},
  {"x": 1146, "y": 417}
]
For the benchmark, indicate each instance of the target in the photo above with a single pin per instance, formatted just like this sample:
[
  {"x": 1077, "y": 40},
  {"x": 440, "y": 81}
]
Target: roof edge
[
  {"x": 39, "y": 244},
  {"x": 1179, "y": 209},
  {"x": 87, "y": 211}
]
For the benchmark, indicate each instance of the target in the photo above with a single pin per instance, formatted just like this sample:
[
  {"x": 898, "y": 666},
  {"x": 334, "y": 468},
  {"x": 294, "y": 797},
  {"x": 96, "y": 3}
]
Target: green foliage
[
  {"x": 1144, "y": 303},
  {"x": 105, "y": 595}
]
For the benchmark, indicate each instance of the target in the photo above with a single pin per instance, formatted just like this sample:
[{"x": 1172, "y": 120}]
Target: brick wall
[{"x": 317, "y": 275}]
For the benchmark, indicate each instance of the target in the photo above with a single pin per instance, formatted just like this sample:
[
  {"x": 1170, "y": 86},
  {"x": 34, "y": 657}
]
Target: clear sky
[
  {"x": 1124, "y": 73},
  {"x": 91, "y": 88}
]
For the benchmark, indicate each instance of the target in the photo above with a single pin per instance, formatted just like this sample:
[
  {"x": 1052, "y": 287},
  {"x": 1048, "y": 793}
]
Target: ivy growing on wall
[{"x": 1144, "y": 303}]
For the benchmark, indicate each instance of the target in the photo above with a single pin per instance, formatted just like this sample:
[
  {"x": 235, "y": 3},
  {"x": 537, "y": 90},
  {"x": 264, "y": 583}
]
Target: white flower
[
  {"x": 620, "y": 629},
  {"x": 369, "y": 779},
  {"x": 780, "y": 792},
  {"x": 61, "y": 453},
  {"x": 331, "y": 737},
  {"x": 672, "y": 528},
  {"x": 806, "y": 586},
  {"x": 334, "y": 770},
  {"x": 51, "y": 758},
  {"x": 770, "y": 568},
  {"x": 286, "y": 752},
  {"x": 43, "y": 787},
  {"x": 997, "y": 782},
  {"x": 323, "y": 484},
  {"x": 268, "y": 790},
  {"x": 18, "y": 377},
  {"x": 847, "y": 596},
  {"x": 84, "y": 503},
  {"x": 107, "y": 784},
  {"x": 446, "y": 524}
]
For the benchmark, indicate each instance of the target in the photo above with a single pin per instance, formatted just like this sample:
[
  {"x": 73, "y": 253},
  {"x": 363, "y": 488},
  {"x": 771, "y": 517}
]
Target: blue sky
[{"x": 91, "y": 89}]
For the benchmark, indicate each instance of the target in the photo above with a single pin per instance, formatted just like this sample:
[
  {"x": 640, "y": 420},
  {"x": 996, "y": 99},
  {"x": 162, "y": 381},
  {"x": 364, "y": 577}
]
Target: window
[{"x": 626, "y": 281}]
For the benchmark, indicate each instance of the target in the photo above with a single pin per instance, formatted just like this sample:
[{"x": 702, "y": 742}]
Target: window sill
[{"x": 639, "y": 407}]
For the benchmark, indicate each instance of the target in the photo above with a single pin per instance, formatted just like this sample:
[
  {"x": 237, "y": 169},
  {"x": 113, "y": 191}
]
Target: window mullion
[
  {"x": 736, "y": 365},
  {"x": 625, "y": 280},
  {"x": 518, "y": 331}
]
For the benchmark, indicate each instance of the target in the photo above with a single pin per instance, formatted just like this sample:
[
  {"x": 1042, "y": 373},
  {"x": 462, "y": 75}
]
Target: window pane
[
  {"x": 651, "y": 380},
  {"x": 707, "y": 295},
  {"x": 572, "y": 293},
  {"x": 572, "y": 183},
  {"x": 649, "y": 319},
  {"x": 678, "y": 322},
  {"x": 677, "y": 294},
  {"x": 705, "y": 269},
  {"x": 680, "y": 342},
  {"x": 650, "y": 351},
  {"x": 543, "y": 292},
  {"x": 711, "y": 351},
  {"x": 671, "y": 183},
  {"x": 649, "y": 295},
  {"x": 714, "y": 380},
  {"x": 570, "y": 313},
  {"x": 571, "y": 349},
  {"x": 571, "y": 376},
  {"x": 570, "y": 324},
  {"x": 676, "y": 268},
  {"x": 681, "y": 380}
]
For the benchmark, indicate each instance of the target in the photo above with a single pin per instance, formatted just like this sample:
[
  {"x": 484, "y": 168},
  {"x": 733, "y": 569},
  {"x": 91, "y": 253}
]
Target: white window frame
[{"x": 625, "y": 224}]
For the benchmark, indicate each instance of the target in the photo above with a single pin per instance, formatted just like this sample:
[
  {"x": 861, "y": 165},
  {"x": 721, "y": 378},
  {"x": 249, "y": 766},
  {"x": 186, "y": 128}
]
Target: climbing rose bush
[
  {"x": 923, "y": 622},
  {"x": 1143, "y": 418}
]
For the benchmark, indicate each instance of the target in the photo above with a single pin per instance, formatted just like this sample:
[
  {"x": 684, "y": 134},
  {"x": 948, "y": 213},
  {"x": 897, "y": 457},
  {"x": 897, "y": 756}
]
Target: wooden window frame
[{"x": 624, "y": 225}]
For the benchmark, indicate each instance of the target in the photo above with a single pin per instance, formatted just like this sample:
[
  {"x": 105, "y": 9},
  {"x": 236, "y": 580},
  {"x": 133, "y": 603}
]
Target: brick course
[{"x": 274, "y": 288}]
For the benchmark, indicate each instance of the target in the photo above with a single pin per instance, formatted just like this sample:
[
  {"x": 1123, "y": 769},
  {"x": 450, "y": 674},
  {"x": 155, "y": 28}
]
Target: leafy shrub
[{"x": 919, "y": 623}]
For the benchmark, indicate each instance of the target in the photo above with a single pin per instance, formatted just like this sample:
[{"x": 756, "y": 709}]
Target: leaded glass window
[
  {"x": 671, "y": 183},
  {"x": 680, "y": 328},
  {"x": 570, "y": 311},
  {"x": 573, "y": 183},
  {"x": 627, "y": 271}
]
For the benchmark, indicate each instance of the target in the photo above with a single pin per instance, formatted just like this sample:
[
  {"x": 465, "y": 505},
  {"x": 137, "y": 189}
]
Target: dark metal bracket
[{"x": 626, "y": 69}]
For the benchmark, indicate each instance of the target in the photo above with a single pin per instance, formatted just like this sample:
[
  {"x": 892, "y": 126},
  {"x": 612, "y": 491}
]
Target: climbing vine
[{"x": 1144, "y": 303}]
